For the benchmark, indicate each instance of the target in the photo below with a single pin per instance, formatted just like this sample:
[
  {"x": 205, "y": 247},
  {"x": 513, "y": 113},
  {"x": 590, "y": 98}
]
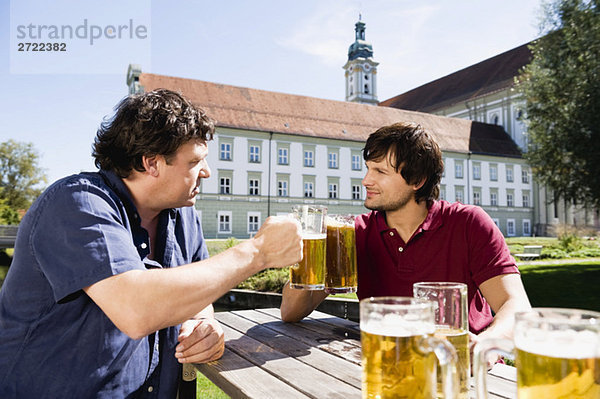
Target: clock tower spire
[{"x": 360, "y": 69}]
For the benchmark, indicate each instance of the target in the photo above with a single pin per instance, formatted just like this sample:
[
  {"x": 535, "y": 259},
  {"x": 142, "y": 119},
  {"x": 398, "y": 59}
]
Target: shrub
[
  {"x": 268, "y": 280},
  {"x": 553, "y": 253},
  {"x": 586, "y": 252}
]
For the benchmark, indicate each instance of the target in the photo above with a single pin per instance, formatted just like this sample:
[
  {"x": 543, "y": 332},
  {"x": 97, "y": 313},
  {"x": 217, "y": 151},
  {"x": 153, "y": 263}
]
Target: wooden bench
[{"x": 530, "y": 252}]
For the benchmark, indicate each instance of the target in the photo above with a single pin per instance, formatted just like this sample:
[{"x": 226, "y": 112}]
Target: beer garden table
[{"x": 318, "y": 357}]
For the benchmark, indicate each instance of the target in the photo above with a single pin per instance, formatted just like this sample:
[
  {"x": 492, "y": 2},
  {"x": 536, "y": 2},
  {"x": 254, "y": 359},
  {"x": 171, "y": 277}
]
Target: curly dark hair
[
  {"x": 413, "y": 151},
  {"x": 148, "y": 124}
]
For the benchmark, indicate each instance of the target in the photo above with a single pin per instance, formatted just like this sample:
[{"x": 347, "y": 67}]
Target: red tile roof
[
  {"x": 486, "y": 77},
  {"x": 259, "y": 110}
]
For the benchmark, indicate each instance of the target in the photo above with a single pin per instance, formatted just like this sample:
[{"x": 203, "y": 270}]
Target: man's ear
[
  {"x": 420, "y": 184},
  {"x": 150, "y": 165}
]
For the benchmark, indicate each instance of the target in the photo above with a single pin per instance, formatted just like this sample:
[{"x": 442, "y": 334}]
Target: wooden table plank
[
  {"x": 301, "y": 376},
  {"x": 241, "y": 379},
  {"x": 311, "y": 355},
  {"x": 312, "y": 333}
]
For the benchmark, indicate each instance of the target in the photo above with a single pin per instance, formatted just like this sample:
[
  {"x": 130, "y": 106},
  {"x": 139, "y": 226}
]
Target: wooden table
[{"x": 318, "y": 357}]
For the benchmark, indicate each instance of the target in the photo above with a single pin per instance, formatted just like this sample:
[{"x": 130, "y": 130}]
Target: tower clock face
[{"x": 367, "y": 67}]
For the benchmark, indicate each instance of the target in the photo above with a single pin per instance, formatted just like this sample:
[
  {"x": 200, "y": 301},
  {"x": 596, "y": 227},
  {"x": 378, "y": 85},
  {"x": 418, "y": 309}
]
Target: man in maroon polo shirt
[{"x": 411, "y": 236}]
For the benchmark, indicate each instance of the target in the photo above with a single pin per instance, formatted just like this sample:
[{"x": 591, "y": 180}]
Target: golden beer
[
  {"x": 340, "y": 275},
  {"x": 395, "y": 367},
  {"x": 542, "y": 376},
  {"x": 459, "y": 338},
  {"x": 310, "y": 272}
]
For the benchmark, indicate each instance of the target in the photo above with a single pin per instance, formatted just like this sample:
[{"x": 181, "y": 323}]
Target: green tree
[
  {"x": 561, "y": 87},
  {"x": 21, "y": 177}
]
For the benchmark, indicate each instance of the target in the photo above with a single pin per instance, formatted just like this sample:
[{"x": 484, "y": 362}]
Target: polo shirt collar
[{"x": 433, "y": 221}]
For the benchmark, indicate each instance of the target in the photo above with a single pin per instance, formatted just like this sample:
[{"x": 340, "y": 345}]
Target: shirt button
[
  {"x": 400, "y": 249},
  {"x": 391, "y": 233},
  {"x": 144, "y": 245},
  {"x": 150, "y": 389}
]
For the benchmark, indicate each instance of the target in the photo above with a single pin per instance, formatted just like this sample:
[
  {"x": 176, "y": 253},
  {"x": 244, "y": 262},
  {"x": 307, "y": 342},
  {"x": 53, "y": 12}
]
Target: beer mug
[
  {"x": 309, "y": 273},
  {"x": 451, "y": 323},
  {"x": 399, "y": 350},
  {"x": 557, "y": 354},
  {"x": 340, "y": 272}
]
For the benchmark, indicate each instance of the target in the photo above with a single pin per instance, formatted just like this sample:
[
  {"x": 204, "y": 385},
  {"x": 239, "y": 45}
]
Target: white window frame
[
  {"x": 253, "y": 187},
  {"x": 309, "y": 191},
  {"x": 509, "y": 174},
  {"x": 494, "y": 172},
  {"x": 476, "y": 171},
  {"x": 356, "y": 162},
  {"x": 493, "y": 198},
  {"x": 476, "y": 198},
  {"x": 511, "y": 232},
  {"x": 225, "y": 152},
  {"x": 283, "y": 156},
  {"x": 309, "y": 158},
  {"x": 459, "y": 195},
  {"x": 524, "y": 176},
  {"x": 224, "y": 227},
  {"x": 510, "y": 200},
  {"x": 332, "y": 161},
  {"x": 254, "y": 154},
  {"x": 458, "y": 170},
  {"x": 496, "y": 222},
  {"x": 225, "y": 182},
  {"x": 253, "y": 223},
  {"x": 282, "y": 188},
  {"x": 525, "y": 200},
  {"x": 526, "y": 227},
  {"x": 332, "y": 190},
  {"x": 356, "y": 192}
]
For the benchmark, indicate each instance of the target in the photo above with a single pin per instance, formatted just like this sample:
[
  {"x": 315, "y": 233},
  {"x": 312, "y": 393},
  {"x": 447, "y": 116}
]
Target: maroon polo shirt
[{"x": 455, "y": 243}]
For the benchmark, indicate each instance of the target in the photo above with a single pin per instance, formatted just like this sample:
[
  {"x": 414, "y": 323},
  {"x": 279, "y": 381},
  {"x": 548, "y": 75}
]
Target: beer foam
[
  {"x": 569, "y": 344},
  {"x": 393, "y": 325},
  {"x": 314, "y": 236}
]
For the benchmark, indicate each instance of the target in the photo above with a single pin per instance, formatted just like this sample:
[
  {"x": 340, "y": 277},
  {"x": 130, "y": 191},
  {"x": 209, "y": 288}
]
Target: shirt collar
[{"x": 116, "y": 183}]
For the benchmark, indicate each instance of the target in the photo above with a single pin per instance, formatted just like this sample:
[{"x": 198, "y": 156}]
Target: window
[
  {"x": 309, "y": 158},
  {"x": 332, "y": 160},
  {"x": 526, "y": 227},
  {"x": 225, "y": 185},
  {"x": 458, "y": 169},
  {"x": 253, "y": 222},
  {"x": 225, "y": 153},
  {"x": 509, "y": 200},
  {"x": 366, "y": 88},
  {"x": 525, "y": 200},
  {"x": 476, "y": 198},
  {"x": 524, "y": 176},
  {"x": 496, "y": 222},
  {"x": 510, "y": 227},
  {"x": 494, "y": 199},
  {"x": 459, "y": 194},
  {"x": 494, "y": 172},
  {"x": 254, "y": 154},
  {"x": 308, "y": 189},
  {"x": 476, "y": 171},
  {"x": 224, "y": 222},
  {"x": 282, "y": 188},
  {"x": 282, "y": 156},
  {"x": 356, "y": 192},
  {"x": 333, "y": 191},
  {"x": 443, "y": 193},
  {"x": 509, "y": 174},
  {"x": 356, "y": 163},
  {"x": 253, "y": 187}
]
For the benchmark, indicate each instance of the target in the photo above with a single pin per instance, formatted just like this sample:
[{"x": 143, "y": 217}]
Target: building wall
[{"x": 241, "y": 203}]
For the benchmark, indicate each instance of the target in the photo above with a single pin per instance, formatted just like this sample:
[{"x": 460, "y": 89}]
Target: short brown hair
[
  {"x": 148, "y": 124},
  {"x": 413, "y": 151}
]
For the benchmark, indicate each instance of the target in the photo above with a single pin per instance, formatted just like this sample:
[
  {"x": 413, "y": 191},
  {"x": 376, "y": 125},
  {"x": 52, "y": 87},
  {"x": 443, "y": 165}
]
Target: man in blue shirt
[{"x": 108, "y": 265}]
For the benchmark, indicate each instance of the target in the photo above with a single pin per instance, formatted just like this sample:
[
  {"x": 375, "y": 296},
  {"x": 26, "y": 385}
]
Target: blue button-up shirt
[{"x": 54, "y": 340}]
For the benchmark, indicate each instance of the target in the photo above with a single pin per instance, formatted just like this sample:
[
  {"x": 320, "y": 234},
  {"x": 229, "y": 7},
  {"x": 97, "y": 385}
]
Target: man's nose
[{"x": 204, "y": 171}]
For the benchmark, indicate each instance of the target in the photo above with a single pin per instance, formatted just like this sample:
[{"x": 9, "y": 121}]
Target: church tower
[{"x": 361, "y": 70}]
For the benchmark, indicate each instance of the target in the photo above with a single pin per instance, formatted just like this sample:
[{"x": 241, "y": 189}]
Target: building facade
[{"x": 485, "y": 92}]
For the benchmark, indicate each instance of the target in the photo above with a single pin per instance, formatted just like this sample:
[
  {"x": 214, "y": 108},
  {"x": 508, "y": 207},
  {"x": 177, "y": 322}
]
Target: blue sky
[{"x": 296, "y": 47}]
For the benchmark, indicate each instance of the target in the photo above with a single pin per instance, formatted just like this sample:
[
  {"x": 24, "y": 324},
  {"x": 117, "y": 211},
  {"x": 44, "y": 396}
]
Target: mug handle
[
  {"x": 447, "y": 359},
  {"x": 504, "y": 347}
]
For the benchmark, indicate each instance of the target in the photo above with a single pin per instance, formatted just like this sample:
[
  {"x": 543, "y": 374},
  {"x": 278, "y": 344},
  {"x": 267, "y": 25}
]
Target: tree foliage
[
  {"x": 561, "y": 87},
  {"x": 21, "y": 177}
]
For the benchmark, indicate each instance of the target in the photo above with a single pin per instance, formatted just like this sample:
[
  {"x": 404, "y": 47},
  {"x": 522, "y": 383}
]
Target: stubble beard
[{"x": 389, "y": 206}]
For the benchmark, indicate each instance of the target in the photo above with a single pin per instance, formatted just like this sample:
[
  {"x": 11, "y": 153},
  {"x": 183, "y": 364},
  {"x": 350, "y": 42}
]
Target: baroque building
[{"x": 485, "y": 92}]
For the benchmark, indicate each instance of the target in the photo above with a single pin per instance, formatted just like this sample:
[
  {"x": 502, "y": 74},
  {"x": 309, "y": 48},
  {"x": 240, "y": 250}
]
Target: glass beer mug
[
  {"x": 309, "y": 273},
  {"x": 557, "y": 354},
  {"x": 399, "y": 350},
  {"x": 340, "y": 273},
  {"x": 451, "y": 323}
]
